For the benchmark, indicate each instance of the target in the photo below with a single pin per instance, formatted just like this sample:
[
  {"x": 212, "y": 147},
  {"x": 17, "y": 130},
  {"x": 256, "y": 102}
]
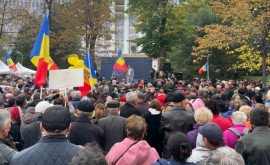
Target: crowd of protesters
[{"x": 163, "y": 121}]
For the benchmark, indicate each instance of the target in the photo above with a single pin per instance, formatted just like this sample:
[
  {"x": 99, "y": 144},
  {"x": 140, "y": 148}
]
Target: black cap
[
  {"x": 113, "y": 104},
  {"x": 178, "y": 97},
  {"x": 212, "y": 132},
  {"x": 241, "y": 91},
  {"x": 56, "y": 96},
  {"x": 85, "y": 106},
  {"x": 56, "y": 119},
  {"x": 141, "y": 95}
]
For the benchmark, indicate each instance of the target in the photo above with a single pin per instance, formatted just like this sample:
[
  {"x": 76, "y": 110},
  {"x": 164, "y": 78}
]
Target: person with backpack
[
  {"x": 232, "y": 134},
  {"x": 255, "y": 147}
]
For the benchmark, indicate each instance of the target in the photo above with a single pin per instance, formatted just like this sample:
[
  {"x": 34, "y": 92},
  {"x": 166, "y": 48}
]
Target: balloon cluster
[{"x": 74, "y": 60}]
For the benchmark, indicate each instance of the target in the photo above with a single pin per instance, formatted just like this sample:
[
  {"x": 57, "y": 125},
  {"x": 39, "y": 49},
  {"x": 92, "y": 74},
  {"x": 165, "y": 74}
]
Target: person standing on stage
[{"x": 130, "y": 74}]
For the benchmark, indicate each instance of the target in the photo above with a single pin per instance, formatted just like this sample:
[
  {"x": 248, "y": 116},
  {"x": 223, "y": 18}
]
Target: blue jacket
[
  {"x": 162, "y": 161},
  {"x": 228, "y": 114},
  {"x": 50, "y": 150}
]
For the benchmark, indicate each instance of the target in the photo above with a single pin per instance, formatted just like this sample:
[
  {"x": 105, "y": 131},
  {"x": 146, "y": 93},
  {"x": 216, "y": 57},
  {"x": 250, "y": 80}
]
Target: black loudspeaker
[
  {"x": 167, "y": 67},
  {"x": 235, "y": 76},
  {"x": 179, "y": 76}
]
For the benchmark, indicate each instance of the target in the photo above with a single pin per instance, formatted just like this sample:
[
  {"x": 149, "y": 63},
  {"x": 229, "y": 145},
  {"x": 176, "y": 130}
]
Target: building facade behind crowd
[{"x": 161, "y": 121}]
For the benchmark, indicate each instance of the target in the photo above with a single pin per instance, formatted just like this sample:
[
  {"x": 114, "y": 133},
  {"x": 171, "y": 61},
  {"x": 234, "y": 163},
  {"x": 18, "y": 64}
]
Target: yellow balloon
[
  {"x": 71, "y": 67},
  {"x": 72, "y": 59},
  {"x": 79, "y": 64}
]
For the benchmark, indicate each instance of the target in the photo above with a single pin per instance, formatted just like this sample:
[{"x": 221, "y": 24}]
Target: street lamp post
[
  {"x": 208, "y": 78},
  {"x": 22, "y": 56}
]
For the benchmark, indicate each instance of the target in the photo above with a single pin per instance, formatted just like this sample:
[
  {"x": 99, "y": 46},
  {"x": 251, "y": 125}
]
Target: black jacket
[
  {"x": 142, "y": 108},
  {"x": 128, "y": 110},
  {"x": 50, "y": 150},
  {"x": 255, "y": 147},
  {"x": 84, "y": 131},
  {"x": 178, "y": 119},
  {"x": 31, "y": 133},
  {"x": 153, "y": 137}
]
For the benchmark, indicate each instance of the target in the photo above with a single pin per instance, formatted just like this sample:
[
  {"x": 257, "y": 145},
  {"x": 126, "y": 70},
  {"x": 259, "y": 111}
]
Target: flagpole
[
  {"x": 41, "y": 92},
  {"x": 88, "y": 49},
  {"x": 208, "y": 78}
]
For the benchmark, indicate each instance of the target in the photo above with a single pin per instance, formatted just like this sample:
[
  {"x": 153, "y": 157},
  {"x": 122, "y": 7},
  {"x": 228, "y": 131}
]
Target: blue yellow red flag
[
  {"x": 203, "y": 68},
  {"x": 38, "y": 49},
  {"x": 41, "y": 52},
  {"x": 10, "y": 63},
  {"x": 120, "y": 62},
  {"x": 90, "y": 77}
]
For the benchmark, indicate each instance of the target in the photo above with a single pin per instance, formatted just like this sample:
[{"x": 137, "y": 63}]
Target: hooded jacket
[{"x": 138, "y": 154}]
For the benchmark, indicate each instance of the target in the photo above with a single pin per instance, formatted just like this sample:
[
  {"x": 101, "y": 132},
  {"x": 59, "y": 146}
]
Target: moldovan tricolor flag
[
  {"x": 90, "y": 77},
  {"x": 41, "y": 47},
  {"x": 120, "y": 62},
  {"x": 10, "y": 63},
  {"x": 119, "y": 68},
  {"x": 204, "y": 68},
  {"x": 40, "y": 55}
]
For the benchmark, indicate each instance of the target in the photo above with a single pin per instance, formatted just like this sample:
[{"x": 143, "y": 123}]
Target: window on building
[
  {"x": 131, "y": 19},
  {"x": 10, "y": 29},
  {"x": 14, "y": 3},
  {"x": 119, "y": 3},
  {"x": 37, "y": 5},
  {"x": 25, "y": 3},
  {"x": 120, "y": 20},
  {"x": 133, "y": 35},
  {"x": 119, "y": 42},
  {"x": 35, "y": 13},
  {"x": 120, "y": 35},
  {"x": 131, "y": 27},
  {"x": 120, "y": 27},
  {"x": 33, "y": 4}
]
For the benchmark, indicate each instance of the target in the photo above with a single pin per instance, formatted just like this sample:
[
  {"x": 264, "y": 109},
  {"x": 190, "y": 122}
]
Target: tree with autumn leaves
[
  {"x": 73, "y": 27},
  {"x": 244, "y": 31}
]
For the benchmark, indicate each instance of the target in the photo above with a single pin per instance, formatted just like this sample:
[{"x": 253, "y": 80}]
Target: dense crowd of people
[{"x": 163, "y": 121}]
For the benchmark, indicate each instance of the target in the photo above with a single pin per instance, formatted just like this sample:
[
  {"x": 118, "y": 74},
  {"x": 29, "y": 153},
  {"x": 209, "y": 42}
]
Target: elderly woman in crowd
[
  {"x": 133, "y": 150},
  {"x": 179, "y": 148},
  {"x": 246, "y": 109},
  {"x": 233, "y": 133},
  {"x": 202, "y": 116},
  {"x": 225, "y": 156}
]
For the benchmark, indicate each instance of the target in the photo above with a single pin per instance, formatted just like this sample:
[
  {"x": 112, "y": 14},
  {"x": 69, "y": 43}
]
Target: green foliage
[
  {"x": 199, "y": 14},
  {"x": 161, "y": 24},
  {"x": 25, "y": 41},
  {"x": 71, "y": 23}
]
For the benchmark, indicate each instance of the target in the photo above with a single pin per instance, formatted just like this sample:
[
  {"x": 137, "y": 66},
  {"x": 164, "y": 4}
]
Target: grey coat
[
  {"x": 114, "y": 127},
  {"x": 29, "y": 117},
  {"x": 255, "y": 147},
  {"x": 6, "y": 153}
]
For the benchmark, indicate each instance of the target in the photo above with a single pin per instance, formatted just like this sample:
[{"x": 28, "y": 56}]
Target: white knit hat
[{"x": 42, "y": 106}]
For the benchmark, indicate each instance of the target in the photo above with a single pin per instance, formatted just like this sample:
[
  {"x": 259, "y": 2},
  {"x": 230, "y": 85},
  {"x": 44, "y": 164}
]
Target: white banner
[{"x": 66, "y": 78}]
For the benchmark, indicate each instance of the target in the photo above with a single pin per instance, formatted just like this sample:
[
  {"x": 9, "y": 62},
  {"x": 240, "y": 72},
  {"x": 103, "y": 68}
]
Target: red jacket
[
  {"x": 222, "y": 122},
  {"x": 161, "y": 98}
]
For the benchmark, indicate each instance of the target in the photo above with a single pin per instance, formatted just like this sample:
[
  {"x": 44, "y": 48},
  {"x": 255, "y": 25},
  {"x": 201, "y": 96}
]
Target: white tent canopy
[
  {"x": 4, "y": 69},
  {"x": 24, "y": 70}
]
